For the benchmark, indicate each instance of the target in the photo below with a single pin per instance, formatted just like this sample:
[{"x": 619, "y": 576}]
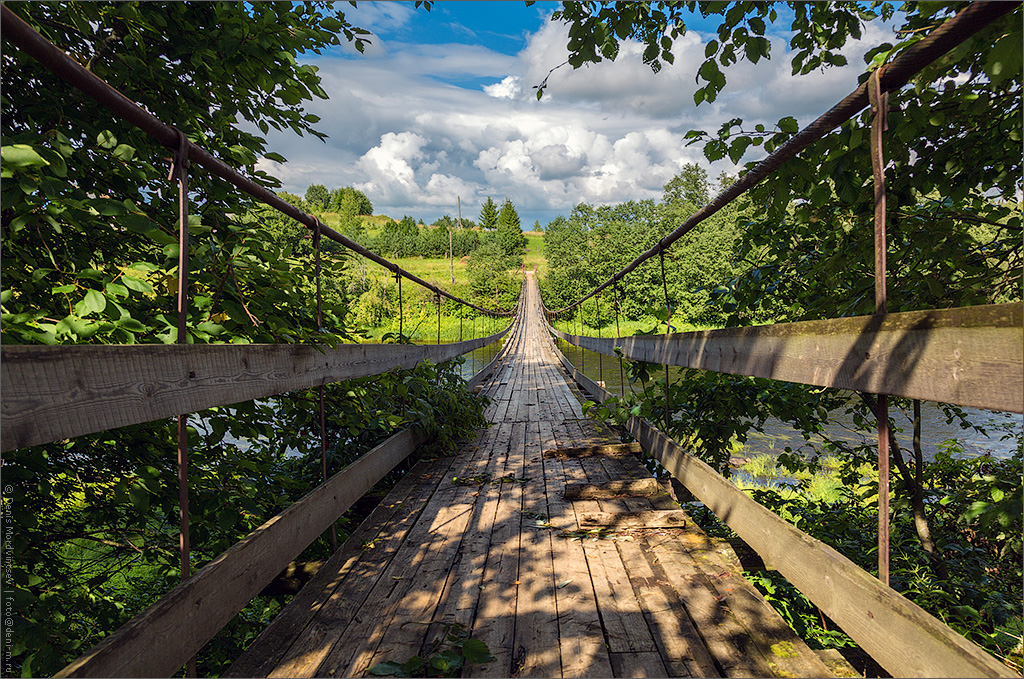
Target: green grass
[
  {"x": 626, "y": 327},
  {"x": 535, "y": 258}
]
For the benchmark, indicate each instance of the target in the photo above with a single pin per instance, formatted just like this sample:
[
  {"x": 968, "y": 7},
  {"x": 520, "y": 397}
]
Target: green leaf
[
  {"x": 139, "y": 497},
  {"x": 95, "y": 301},
  {"x": 388, "y": 669},
  {"x": 19, "y": 156},
  {"x": 476, "y": 651},
  {"x": 789, "y": 124},
  {"x": 137, "y": 285},
  {"x": 106, "y": 140}
]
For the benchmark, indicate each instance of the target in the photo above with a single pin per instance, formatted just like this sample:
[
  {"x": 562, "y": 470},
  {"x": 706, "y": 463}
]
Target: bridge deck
[{"x": 487, "y": 540}]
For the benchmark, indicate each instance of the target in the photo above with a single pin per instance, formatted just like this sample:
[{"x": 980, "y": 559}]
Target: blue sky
[{"x": 441, "y": 107}]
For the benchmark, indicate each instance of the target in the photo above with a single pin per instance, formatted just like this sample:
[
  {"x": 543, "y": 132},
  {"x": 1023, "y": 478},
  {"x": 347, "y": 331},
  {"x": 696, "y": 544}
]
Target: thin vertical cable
[
  {"x": 668, "y": 329},
  {"x": 179, "y": 172},
  {"x": 879, "y": 124},
  {"x": 320, "y": 399},
  {"x": 600, "y": 356},
  {"x": 401, "y": 309},
  {"x": 618, "y": 333}
]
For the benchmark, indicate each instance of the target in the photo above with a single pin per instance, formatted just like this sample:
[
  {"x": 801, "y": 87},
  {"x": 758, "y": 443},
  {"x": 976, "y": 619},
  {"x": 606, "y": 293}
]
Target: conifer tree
[
  {"x": 489, "y": 215},
  {"x": 510, "y": 232}
]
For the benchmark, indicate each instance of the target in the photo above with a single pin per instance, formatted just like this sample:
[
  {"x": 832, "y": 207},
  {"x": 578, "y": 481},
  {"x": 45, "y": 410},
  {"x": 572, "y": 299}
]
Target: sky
[{"x": 441, "y": 108}]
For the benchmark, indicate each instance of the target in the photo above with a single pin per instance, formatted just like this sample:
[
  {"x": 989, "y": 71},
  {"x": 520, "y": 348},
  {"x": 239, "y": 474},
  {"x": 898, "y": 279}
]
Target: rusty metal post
[
  {"x": 668, "y": 329},
  {"x": 401, "y": 309},
  {"x": 320, "y": 400},
  {"x": 879, "y": 105},
  {"x": 618, "y": 333},
  {"x": 439, "y": 319},
  {"x": 179, "y": 172},
  {"x": 600, "y": 356}
]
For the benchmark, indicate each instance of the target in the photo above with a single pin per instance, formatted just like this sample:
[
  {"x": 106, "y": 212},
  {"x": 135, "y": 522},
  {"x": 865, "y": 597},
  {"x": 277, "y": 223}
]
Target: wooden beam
[
  {"x": 901, "y": 636},
  {"x": 52, "y": 393},
  {"x": 664, "y": 518},
  {"x": 158, "y": 641},
  {"x": 970, "y": 356},
  {"x": 594, "y": 491},
  {"x": 612, "y": 449}
]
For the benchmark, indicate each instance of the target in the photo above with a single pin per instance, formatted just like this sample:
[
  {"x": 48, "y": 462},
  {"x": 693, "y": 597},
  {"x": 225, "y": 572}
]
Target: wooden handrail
[
  {"x": 900, "y": 635},
  {"x": 970, "y": 356},
  {"x": 159, "y": 640},
  {"x": 56, "y": 392}
]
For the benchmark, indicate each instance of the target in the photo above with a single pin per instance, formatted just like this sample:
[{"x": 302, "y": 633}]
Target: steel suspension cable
[
  {"x": 16, "y": 31},
  {"x": 895, "y": 75}
]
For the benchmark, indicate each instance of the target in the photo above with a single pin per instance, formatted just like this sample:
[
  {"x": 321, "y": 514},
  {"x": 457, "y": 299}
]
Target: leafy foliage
[
  {"x": 457, "y": 650},
  {"x": 90, "y": 256}
]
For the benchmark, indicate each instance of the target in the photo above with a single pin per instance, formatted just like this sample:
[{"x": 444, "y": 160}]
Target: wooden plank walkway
[{"x": 487, "y": 539}]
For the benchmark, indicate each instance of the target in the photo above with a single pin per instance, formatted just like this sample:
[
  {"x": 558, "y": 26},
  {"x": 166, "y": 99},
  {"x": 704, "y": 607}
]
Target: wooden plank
[
  {"x": 496, "y": 611},
  {"x": 679, "y": 642},
  {"x": 304, "y": 654},
  {"x": 266, "y": 650},
  {"x": 970, "y": 356},
  {"x": 901, "y": 636},
  {"x": 352, "y": 646},
  {"x": 580, "y": 637},
  {"x": 158, "y": 641},
  {"x": 729, "y": 643},
  {"x": 786, "y": 653},
  {"x": 57, "y": 392},
  {"x": 536, "y": 631},
  {"x": 638, "y": 665},
  {"x": 603, "y": 450},
  {"x": 671, "y": 518},
  {"x": 611, "y": 489}
]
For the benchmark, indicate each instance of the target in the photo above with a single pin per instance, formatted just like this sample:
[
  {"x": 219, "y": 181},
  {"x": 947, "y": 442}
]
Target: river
[{"x": 935, "y": 430}]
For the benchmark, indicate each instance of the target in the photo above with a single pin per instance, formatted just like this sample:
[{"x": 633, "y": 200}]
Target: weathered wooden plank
[
  {"x": 786, "y": 653},
  {"x": 669, "y": 518},
  {"x": 729, "y": 643},
  {"x": 604, "y": 450},
  {"x": 536, "y": 631},
  {"x": 57, "y": 392},
  {"x": 158, "y": 641},
  {"x": 611, "y": 489},
  {"x": 638, "y": 665},
  {"x": 970, "y": 356},
  {"x": 495, "y": 620},
  {"x": 580, "y": 637},
  {"x": 266, "y": 650},
  {"x": 902, "y": 637},
  {"x": 681, "y": 646},
  {"x": 342, "y": 604}
]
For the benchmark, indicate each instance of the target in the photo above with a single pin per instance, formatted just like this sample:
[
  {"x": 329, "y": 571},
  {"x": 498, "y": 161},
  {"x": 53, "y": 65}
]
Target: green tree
[
  {"x": 351, "y": 201},
  {"x": 510, "y": 232},
  {"x": 318, "y": 197},
  {"x": 954, "y": 223},
  {"x": 88, "y": 224},
  {"x": 489, "y": 215}
]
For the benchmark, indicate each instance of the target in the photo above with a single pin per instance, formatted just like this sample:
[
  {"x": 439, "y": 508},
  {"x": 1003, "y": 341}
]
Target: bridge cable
[
  {"x": 18, "y": 32},
  {"x": 320, "y": 399},
  {"x": 879, "y": 124},
  {"x": 179, "y": 173},
  {"x": 893, "y": 76},
  {"x": 618, "y": 333}
]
